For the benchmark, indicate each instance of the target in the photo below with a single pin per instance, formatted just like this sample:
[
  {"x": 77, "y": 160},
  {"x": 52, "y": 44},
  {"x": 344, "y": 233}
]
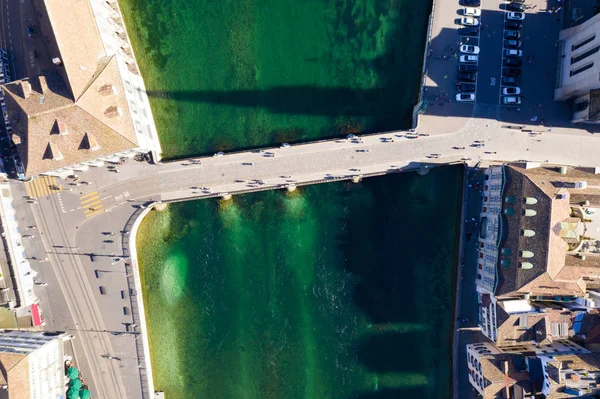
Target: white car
[
  {"x": 469, "y": 21},
  {"x": 471, "y": 12},
  {"x": 511, "y": 91},
  {"x": 465, "y": 97},
  {"x": 511, "y": 100},
  {"x": 468, "y": 59},
  {"x": 515, "y": 16},
  {"x": 509, "y": 52},
  {"x": 469, "y": 49}
]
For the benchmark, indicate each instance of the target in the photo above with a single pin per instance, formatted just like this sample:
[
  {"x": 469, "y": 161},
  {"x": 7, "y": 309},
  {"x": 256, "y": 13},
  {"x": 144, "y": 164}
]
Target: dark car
[
  {"x": 470, "y": 3},
  {"x": 466, "y": 77},
  {"x": 513, "y": 25},
  {"x": 510, "y": 81},
  {"x": 512, "y": 34},
  {"x": 470, "y": 31},
  {"x": 511, "y": 43},
  {"x": 512, "y": 62},
  {"x": 511, "y": 72},
  {"x": 467, "y": 68},
  {"x": 466, "y": 87},
  {"x": 515, "y": 7}
]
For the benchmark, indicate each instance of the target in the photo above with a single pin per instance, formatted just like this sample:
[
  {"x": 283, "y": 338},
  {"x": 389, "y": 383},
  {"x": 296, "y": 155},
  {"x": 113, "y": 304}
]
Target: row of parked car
[
  {"x": 5, "y": 77},
  {"x": 512, "y": 55},
  {"x": 469, "y": 54}
]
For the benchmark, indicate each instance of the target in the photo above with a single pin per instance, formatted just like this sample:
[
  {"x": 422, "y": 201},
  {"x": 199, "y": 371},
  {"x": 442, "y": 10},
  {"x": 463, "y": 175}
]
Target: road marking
[
  {"x": 88, "y": 194},
  {"x": 89, "y": 200},
  {"x": 94, "y": 213},
  {"x": 42, "y": 186}
]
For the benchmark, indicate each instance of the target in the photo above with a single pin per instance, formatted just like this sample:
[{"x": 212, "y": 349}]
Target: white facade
[
  {"x": 579, "y": 60},
  {"x": 474, "y": 354},
  {"x": 487, "y": 318}
]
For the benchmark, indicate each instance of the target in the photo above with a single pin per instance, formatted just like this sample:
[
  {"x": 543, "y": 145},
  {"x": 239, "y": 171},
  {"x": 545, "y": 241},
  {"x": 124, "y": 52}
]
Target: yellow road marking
[
  {"x": 39, "y": 188},
  {"x": 88, "y": 195},
  {"x": 28, "y": 189},
  {"x": 94, "y": 213},
  {"x": 92, "y": 207},
  {"x": 90, "y": 200},
  {"x": 47, "y": 184},
  {"x": 44, "y": 186}
]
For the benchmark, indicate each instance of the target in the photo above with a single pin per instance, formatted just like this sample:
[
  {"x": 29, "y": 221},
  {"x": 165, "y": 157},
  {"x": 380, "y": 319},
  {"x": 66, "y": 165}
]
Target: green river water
[
  {"x": 334, "y": 291},
  {"x": 339, "y": 290}
]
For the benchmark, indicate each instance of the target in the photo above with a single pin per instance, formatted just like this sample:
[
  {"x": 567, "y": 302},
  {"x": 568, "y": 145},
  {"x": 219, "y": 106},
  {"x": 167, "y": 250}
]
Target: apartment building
[
  {"x": 539, "y": 244},
  {"x": 32, "y": 365},
  {"x": 554, "y": 375},
  {"x": 578, "y": 69}
]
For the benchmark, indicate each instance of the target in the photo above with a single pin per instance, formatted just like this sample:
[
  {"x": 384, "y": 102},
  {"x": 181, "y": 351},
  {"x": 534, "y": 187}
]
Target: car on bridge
[
  {"x": 513, "y": 25},
  {"x": 511, "y": 72},
  {"x": 515, "y": 7},
  {"x": 513, "y": 53},
  {"x": 466, "y": 87},
  {"x": 512, "y": 62},
  {"x": 512, "y": 34},
  {"x": 511, "y": 43},
  {"x": 511, "y": 100},
  {"x": 510, "y": 80},
  {"x": 470, "y": 3}
]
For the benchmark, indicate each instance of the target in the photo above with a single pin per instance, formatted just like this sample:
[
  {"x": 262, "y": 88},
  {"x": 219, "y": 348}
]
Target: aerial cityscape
[{"x": 353, "y": 199}]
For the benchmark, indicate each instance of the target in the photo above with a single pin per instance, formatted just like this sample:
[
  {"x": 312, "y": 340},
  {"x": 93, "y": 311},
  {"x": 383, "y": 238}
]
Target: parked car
[
  {"x": 466, "y": 87},
  {"x": 465, "y": 97},
  {"x": 470, "y": 31},
  {"x": 468, "y": 68},
  {"x": 512, "y": 53},
  {"x": 467, "y": 21},
  {"x": 515, "y": 7},
  {"x": 469, "y": 49},
  {"x": 472, "y": 12},
  {"x": 470, "y": 3},
  {"x": 466, "y": 77},
  {"x": 511, "y": 72},
  {"x": 511, "y": 91},
  {"x": 512, "y": 34},
  {"x": 511, "y": 43},
  {"x": 468, "y": 59},
  {"x": 514, "y": 25},
  {"x": 515, "y": 16},
  {"x": 511, "y": 100},
  {"x": 512, "y": 62},
  {"x": 510, "y": 80},
  {"x": 518, "y": 1}
]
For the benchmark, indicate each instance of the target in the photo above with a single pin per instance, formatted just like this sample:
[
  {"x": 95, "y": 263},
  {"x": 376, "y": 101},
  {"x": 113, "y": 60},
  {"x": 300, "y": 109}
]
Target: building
[
  {"x": 578, "y": 70},
  {"x": 84, "y": 111},
  {"x": 32, "y": 365},
  {"x": 495, "y": 374},
  {"x": 539, "y": 243}
]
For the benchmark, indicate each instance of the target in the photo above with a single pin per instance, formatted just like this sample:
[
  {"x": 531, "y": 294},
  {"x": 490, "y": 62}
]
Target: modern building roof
[{"x": 538, "y": 225}]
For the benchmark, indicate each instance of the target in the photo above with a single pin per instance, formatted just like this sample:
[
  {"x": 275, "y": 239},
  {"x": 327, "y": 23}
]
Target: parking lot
[{"x": 532, "y": 62}]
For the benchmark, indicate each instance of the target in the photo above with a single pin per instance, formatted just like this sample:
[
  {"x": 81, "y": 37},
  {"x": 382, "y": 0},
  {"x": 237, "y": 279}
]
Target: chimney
[
  {"x": 62, "y": 128},
  {"x": 26, "y": 89},
  {"x": 43, "y": 85}
]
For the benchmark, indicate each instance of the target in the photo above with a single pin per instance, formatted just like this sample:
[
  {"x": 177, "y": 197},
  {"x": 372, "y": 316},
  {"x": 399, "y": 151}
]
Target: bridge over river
[{"x": 70, "y": 222}]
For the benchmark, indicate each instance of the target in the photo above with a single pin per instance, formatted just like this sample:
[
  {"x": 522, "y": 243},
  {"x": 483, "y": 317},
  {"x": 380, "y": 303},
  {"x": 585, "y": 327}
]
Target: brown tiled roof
[
  {"x": 554, "y": 271},
  {"x": 493, "y": 369},
  {"x": 15, "y": 370},
  {"x": 77, "y": 38},
  {"x": 37, "y": 121},
  {"x": 538, "y": 326}
]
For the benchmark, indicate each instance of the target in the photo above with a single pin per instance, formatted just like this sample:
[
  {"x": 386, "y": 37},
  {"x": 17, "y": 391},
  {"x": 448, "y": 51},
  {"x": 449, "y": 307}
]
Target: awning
[{"x": 35, "y": 315}]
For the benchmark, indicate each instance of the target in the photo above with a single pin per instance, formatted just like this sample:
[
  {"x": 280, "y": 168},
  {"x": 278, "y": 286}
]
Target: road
[{"x": 70, "y": 222}]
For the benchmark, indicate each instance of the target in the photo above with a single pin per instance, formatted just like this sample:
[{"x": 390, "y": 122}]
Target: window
[
  {"x": 583, "y": 68},
  {"x": 478, "y": 276},
  {"x": 583, "y": 42},
  {"x": 480, "y": 266},
  {"x": 583, "y": 56}
]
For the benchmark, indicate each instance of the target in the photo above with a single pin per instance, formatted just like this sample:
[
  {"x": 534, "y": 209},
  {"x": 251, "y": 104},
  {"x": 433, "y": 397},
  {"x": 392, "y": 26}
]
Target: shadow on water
[
  {"x": 389, "y": 393},
  {"x": 386, "y": 352}
]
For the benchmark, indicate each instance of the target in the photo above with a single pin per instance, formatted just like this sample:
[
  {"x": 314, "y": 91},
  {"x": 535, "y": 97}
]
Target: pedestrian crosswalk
[
  {"x": 42, "y": 186},
  {"x": 91, "y": 203}
]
